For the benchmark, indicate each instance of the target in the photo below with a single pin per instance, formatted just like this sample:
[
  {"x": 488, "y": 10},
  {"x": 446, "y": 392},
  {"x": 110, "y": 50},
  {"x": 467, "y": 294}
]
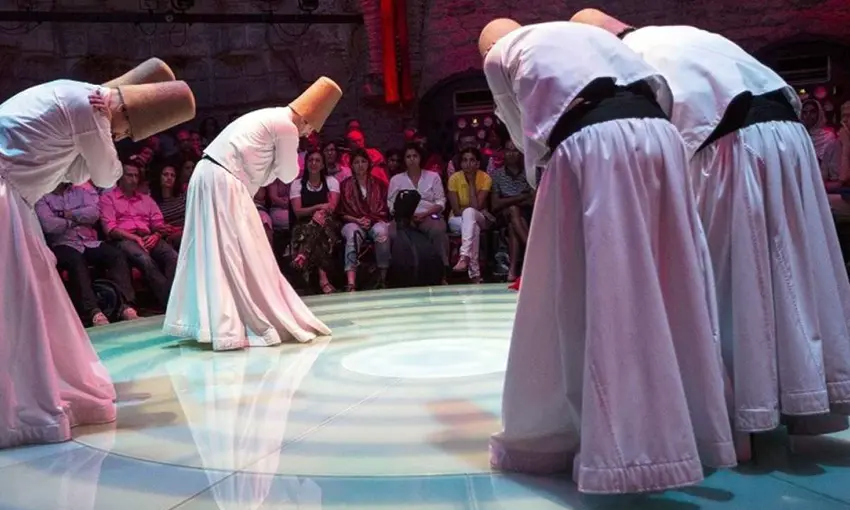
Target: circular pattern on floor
[
  {"x": 410, "y": 384},
  {"x": 434, "y": 358}
]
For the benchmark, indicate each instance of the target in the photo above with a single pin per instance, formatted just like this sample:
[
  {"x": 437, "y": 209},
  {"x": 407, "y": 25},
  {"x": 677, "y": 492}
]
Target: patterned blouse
[{"x": 173, "y": 210}]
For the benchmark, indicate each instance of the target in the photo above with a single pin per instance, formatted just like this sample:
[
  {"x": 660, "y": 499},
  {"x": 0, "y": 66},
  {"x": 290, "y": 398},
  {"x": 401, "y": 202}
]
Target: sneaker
[
  {"x": 99, "y": 319},
  {"x": 129, "y": 314}
]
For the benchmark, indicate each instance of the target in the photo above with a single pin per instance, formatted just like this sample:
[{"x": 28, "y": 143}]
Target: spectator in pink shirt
[{"x": 134, "y": 222}]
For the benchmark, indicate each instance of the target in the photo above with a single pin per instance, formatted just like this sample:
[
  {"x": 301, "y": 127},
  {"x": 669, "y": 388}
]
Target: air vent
[
  {"x": 800, "y": 70},
  {"x": 473, "y": 102}
]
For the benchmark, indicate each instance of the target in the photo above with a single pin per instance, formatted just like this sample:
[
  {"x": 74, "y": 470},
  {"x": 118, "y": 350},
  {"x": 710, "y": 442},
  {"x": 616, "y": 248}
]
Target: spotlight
[{"x": 308, "y": 5}]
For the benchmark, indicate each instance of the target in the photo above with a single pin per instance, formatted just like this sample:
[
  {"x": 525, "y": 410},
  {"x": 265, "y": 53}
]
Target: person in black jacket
[{"x": 415, "y": 261}]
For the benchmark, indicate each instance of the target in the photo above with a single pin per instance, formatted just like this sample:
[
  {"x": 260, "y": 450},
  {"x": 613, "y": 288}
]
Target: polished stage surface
[{"x": 393, "y": 414}]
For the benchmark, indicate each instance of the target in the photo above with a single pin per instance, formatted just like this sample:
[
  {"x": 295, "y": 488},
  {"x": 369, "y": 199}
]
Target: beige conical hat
[
  {"x": 494, "y": 31},
  {"x": 317, "y": 102},
  {"x": 152, "y": 70},
  {"x": 155, "y": 107}
]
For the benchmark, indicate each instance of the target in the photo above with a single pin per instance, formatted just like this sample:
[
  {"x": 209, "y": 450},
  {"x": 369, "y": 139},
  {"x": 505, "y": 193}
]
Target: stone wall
[
  {"x": 237, "y": 68},
  {"x": 448, "y": 43},
  {"x": 231, "y": 68}
]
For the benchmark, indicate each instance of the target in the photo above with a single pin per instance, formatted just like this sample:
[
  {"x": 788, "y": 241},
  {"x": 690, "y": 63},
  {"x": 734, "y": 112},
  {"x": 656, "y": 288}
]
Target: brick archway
[{"x": 436, "y": 114}]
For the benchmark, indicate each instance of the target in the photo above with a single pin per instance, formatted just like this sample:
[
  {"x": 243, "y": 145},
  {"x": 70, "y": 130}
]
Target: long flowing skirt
[
  {"x": 782, "y": 289},
  {"x": 50, "y": 376},
  {"x": 228, "y": 289},
  {"x": 615, "y": 367}
]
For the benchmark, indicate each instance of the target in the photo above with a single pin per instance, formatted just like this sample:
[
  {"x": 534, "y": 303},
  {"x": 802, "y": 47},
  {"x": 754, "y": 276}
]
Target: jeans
[
  {"x": 157, "y": 266},
  {"x": 76, "y": 264},
  {"x": 378, "y": 233}
]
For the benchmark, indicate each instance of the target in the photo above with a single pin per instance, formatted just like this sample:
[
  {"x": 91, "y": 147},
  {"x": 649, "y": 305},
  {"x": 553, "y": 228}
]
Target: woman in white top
[
  {"x": 429, "y": 214},
  {"x": 315, "y": 236}
]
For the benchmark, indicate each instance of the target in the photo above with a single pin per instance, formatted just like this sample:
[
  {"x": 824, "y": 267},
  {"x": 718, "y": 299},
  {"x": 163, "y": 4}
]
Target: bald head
[
  {"x": 494, "y": 31},
  {"x": 599, "y": 19}
]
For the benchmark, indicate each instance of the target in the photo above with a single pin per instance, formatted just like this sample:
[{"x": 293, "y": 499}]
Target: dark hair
[
  {"x": 405, "y": 204},
  {"x": 155, "y": 180},
  {"x": 501, "y": 131},
  {"x": 810, "y": 100},
  {"x": 413, "y": 146},
  {"x": 393, "y": 152},
  {"x": 471, "y": 150},
  {"x": 209, "y": 128},
  {"x": 359, "y": 153},
  {"x": 330, "y": 142},
  {"x": 305, "y": 175}
]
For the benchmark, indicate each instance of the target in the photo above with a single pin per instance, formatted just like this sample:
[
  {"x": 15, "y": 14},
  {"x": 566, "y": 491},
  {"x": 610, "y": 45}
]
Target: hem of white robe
[
  {"x": 537, "y": 458},
  {"x": 60, "y": 430},
  {"x": 269, "y": 338},
  {"x": 835, "y": 399}
]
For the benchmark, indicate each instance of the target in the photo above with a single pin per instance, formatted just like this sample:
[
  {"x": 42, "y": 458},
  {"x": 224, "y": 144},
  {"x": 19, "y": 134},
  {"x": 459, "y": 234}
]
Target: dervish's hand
[{"x": 100, "y": 103}]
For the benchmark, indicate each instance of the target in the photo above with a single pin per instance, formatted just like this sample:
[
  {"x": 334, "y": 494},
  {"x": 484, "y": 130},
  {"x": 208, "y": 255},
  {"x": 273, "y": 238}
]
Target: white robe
[
  {"x": 782, "y": 289},
  {"x": 228, "y": 289},
  {"x": 50, "y": 376},
  {"x": 614, "y": 367}
]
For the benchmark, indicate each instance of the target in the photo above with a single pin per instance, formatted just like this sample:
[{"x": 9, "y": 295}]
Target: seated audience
[
  {"x": 466, "y": 138},
  {"x": 185, "y": 171},
  {"x": 306, "y": 144},
  {"x": 208, "y": 130},
  {"x": 415, "y": 261},
  {"x": 336, "y": 169},
  {"x": 513, "y": 199},
  {"x": 188, "y": 146},
  {"x": 261, "y": 201},
  {"x": 68, "y": 216},
  {"x": 393, "y": 161},
  {"x": 428, "y": 217},
  {"x": 167, "y": 191},
  {"x": 469, "y": 190},
  {"x": 813, "y": 118},
  {"x": 363, "y": 207},
  {"x": 134, "y": 222},
  {"x": 278, "y": 194},
  {"x": 357, "y": 140},
  {"x": 837, "y": 163},
  {"x": 314, "y": 198}
]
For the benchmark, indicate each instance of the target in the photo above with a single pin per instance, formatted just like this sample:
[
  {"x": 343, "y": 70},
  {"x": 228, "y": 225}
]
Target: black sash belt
[
  {"x": 747, "y": 110},
  {"x": 604, "y": 100},
  {"x": 214, "y": 162}
]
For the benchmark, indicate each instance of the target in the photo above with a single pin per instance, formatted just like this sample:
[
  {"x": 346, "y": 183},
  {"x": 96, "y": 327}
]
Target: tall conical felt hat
[
  {"x": 317, "y": 102},
  {"x": 155, "y": 107},
  {"x": 152, "y": 70},
  {"x": 494, "y": 31}
]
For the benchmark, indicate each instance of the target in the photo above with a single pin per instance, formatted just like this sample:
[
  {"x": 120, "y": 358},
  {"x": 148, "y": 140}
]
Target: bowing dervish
[
  {"x": 614, "y": 367},
  {"x": 62, "y": 131},
  {"x": 228, "y": 289},
  {"x": 782, "y": 289}
]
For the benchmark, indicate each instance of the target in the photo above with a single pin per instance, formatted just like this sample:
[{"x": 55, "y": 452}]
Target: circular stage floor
[{"x": 393, "y": 413}]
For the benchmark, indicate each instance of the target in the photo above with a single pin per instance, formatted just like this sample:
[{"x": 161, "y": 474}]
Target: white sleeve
[
  {"x": 507, "y": 107},
  {"x": 285, "y": 147},
  {"x": 333, "y": 184},
  {"x": 92, "y": 134},
  {"x": 439, "y": 192},
  {"x": 295, "y": 189}
]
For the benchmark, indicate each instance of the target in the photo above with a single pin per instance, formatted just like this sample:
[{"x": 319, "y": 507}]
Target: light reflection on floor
[{"x": 394, "y": 413}]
